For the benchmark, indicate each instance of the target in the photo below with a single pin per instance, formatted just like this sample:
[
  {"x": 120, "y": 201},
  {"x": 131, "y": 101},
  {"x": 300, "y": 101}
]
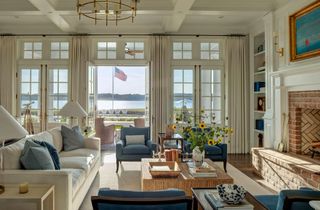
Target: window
[
  {"x": 211, "y": 99},
  {"x": 57, "y": 92},
  {"x": 183, "y": 94},
  {"x": 30, "y": 91},
  {"x": 32, "y": 50},
  {"x": 59, "y": 50},
  {"x": 210, "y": 50},
  {"x": 182, "y": 50},
  {"x": 106, "y": 50},
  {"x": 134, "y": 50}
]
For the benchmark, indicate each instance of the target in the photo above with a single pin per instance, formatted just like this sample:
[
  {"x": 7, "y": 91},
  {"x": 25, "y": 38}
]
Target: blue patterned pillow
[
  {"x": 36, "y": 157},
  {"x": 72, "y": 138}
]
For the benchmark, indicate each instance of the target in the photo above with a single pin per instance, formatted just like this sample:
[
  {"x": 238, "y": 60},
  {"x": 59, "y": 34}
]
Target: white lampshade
[
  {"x": 73, "y": 109},
  {"x": 9, "y": 126}
]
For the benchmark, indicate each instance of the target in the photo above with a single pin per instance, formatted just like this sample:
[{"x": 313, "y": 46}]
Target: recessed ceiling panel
[
  {"x": 234, "y": 5},
  {"x": 16, "y": 5}
]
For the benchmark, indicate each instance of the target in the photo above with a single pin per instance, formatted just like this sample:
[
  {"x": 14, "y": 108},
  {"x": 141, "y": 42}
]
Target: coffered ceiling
[{"x": 153, "y": 16}]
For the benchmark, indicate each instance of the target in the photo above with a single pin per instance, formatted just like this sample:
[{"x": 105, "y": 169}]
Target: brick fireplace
[{"x": 304, "y": 120}]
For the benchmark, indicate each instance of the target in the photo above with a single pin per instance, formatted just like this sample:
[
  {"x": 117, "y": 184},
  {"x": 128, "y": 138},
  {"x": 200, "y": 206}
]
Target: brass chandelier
[{"x": 108, "y": 10}]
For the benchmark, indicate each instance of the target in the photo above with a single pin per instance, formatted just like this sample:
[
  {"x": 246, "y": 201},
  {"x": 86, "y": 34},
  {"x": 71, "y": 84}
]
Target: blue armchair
[
  {"x": 134, "y": 152},
  {"x": 215, "y": 153},
  {"x": 134, "y": 200},
  {"x": 290, "y": 199}
]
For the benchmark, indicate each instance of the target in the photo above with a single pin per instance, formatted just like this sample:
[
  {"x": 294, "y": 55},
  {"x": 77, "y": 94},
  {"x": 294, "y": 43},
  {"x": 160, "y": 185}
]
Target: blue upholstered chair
[
  {"x": 134, "y": 200},
  {"x": 134, "y": 152},
  {"x": 290, "y": 199},
  {"x": 215, "y": 153}
]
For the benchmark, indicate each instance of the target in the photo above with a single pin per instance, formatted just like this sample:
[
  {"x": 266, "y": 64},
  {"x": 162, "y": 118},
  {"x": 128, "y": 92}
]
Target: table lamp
[
  {"x": 9, "y": 129},
  {"x": 73, "y": 109}
]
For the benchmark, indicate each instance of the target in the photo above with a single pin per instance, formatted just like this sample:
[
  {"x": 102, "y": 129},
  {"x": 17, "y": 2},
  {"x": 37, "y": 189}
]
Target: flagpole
[{"x": 113, "y": 74}]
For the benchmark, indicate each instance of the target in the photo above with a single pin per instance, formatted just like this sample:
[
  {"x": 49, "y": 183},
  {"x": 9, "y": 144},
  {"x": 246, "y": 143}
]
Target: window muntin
[
  {"x": 210, "y": 50},
  {"x": 183, "y": 94},
  {"x": 32, "y": 50},
  {"x": 106, "y": 50},
  {"x": 182, "y": 50},
  {"x": 134, "y": 50},
  {"x": 57, "y": 92},
  {"x": 59, "y": 50},
  {"x": 211, "y": 97}
]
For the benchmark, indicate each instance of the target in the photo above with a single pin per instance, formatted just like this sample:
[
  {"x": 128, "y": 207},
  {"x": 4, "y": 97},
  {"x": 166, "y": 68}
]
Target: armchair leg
[
  {"x": 225, "y": 165},
  {"x": 117, "y": 166}
]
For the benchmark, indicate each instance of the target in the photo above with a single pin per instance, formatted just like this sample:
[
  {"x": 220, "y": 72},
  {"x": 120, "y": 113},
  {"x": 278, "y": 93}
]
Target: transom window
[
  {"x": 59, "y": 50},
  {"x": 210, "y": 50},
  {"x": 134, "y": 50},
  {"x": 106, "y": 50},
  {"x": 32, "y": 50},
  {"x": 182, "y": 50}
]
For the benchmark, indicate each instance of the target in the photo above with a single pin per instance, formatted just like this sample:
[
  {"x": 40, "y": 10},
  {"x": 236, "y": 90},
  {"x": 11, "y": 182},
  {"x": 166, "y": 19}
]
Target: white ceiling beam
[
  {"x": 173, "y": 23},
  {"x": 45, "y": 7}
]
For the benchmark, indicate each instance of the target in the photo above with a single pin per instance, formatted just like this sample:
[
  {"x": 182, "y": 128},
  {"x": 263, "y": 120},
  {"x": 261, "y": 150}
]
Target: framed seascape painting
[{"x": 305, "y": 32}]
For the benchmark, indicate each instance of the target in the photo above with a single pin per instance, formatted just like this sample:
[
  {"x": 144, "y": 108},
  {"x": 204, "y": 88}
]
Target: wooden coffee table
[{"x": 185, "y": 181}]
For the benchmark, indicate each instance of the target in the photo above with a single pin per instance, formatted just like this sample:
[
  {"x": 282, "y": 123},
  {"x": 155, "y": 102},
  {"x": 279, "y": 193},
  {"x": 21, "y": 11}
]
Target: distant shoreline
[{"x": 118, "y": 97}]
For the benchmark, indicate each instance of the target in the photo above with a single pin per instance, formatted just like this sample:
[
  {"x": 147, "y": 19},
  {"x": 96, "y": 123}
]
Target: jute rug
[{"x": 128, "y": 178}]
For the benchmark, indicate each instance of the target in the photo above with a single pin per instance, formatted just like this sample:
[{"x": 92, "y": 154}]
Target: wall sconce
[{"x": 276, "y": 44}]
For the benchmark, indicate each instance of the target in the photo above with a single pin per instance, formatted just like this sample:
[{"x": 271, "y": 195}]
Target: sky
[{"x": 135, "y": 83}]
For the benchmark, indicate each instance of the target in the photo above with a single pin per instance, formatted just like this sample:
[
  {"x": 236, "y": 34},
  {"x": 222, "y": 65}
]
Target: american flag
[{"x": 120, "y": 74}]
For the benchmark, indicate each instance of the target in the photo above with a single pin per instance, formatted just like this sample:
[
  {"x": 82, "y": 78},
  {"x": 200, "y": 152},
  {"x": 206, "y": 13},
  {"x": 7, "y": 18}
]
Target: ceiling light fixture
[{"x": 108, "y": 10}]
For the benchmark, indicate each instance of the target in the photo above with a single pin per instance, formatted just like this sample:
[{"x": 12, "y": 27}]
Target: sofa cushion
[
  {"x": 72, "y": 138},
  {"x": 11, "y": 155},
  {"x": 135, "y": 139},
  {"x": 84, "y": 163},
  {"x": 36, "y": 157},
  {"x": 53, "y": 153},
  {"x": 213, "y": 150},
  {"x": 57, "y": 138},
  {"x": 136, "y": 149},
  {"x": 83, "y": 152},
  {"x": 78, "y": 178}
]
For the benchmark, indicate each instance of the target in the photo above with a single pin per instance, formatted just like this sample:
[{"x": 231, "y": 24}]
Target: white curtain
[
  {"x": 79, "y": 60},
  {"x": 238, "y": 87},
  {"x": 7, "y": 72},
  {"x": 160, "y": 83}
]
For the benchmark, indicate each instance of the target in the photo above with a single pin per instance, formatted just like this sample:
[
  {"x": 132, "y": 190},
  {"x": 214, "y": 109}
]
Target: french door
[
  {"x": 42, "y": 91},
  {"x": 198, "y": 94}
]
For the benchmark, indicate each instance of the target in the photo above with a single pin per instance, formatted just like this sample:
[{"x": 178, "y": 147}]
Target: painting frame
[{"x": 294, "y": 48}]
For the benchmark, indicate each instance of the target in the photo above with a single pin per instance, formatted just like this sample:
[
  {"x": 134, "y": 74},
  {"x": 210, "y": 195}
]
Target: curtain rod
[{"x": 120, "y": 35}]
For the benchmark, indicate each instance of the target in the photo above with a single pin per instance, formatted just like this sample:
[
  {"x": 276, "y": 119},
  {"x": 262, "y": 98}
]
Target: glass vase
[{"x": 197, "y": 156}]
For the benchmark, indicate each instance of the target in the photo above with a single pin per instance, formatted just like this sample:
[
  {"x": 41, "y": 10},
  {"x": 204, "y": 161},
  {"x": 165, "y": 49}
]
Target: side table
[{"x": 41, "y": 195}]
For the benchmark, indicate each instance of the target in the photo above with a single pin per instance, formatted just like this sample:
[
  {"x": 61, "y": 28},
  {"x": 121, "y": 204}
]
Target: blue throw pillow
[
  {"x": 36, "y": 157},
  {"x": 53, "y": 153},
  {"x": 72, "y": 138}
]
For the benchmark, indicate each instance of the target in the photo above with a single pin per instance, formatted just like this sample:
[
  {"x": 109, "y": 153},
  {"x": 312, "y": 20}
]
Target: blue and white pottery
[{"x": 231, "y": 193}]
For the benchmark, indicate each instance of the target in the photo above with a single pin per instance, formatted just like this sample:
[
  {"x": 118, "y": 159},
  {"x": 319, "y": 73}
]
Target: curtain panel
[
  {"x": 160, "y": 83},
  {"x": 79, "y": 61},
  {"x": 7, "y": 72},
  {"x": 238, "y": 88}
]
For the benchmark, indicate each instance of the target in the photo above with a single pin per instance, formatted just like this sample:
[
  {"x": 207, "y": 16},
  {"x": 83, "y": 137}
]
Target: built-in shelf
[
  {"x": 258, "y": 131},
  {"x": 259, "y": 53},
  {"x": 260, "y": 73},
  {"x": 261, "y": 68},
  {"x": 261, "y": 92},
  {"x": 258, "y": 111}
]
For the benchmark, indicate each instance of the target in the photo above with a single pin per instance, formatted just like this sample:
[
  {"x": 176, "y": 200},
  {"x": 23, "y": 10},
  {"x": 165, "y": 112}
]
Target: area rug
[{"x": 128, "y": 178}]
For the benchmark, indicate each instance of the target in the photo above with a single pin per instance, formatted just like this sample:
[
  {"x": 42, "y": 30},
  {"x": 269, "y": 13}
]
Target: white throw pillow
[{"x": 135, "y": 139}]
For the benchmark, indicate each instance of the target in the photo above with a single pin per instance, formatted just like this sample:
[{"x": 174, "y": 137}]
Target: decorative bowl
[{"x": 231, "y": 193}]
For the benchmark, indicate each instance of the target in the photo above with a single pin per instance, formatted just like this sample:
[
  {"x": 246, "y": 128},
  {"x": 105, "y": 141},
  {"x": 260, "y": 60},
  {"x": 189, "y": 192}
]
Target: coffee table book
[{"x": 217, "y": 203}]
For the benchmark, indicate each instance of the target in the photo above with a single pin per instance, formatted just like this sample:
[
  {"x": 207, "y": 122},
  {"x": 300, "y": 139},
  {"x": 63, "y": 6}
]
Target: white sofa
[{"x": 78, "y": 169}]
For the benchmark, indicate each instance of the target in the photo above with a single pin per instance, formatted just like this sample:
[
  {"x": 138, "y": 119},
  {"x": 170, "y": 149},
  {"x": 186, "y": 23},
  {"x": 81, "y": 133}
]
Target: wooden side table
[
  {"x": 41, "y": 195},
  {"x": 175, "y": 137}
]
